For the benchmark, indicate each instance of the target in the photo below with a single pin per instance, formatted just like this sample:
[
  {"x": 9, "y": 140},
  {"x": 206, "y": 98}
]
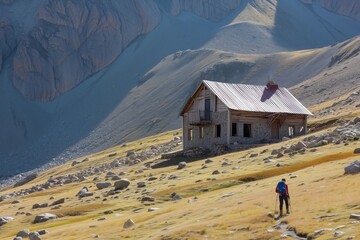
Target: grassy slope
[{"x": 225, "y": 208}]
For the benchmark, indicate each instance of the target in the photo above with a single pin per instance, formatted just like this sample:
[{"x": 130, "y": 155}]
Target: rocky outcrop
[
  {"x": 349, "y": 8},
  {"x": 73, "y": 40},
  {"x": 213, "y": 10},
  {"x": 7, "y": 39}
]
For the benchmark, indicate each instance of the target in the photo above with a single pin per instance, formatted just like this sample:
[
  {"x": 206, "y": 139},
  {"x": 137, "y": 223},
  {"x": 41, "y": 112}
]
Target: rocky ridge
[
  {"x": 350, "y": 9},
  {"x": 71, "y": 40}
]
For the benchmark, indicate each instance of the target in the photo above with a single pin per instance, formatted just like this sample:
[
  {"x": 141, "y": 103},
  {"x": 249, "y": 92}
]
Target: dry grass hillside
[{"x": 237, "y": 203}]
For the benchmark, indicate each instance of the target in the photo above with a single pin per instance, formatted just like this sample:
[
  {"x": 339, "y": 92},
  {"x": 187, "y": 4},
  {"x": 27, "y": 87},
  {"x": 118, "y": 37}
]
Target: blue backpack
[{"x": 281, "y": 187}]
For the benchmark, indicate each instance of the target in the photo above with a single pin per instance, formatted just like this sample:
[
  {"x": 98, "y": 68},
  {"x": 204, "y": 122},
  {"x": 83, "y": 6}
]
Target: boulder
[
  {"x": 40, "y": 205},
  {"x": 102, "y": 185},
  {"x": 57, "y": 202},
  {"x": 44, "y": 217},
  {"x": 215, "y": 172},
  {"x": 34, "y": 236},
  {"x": 353, "y": 168},
  {"x": 27, "y": 179},
  {"x": 274, "y": 151},
  {"x": 23, "y": 233},
  {"x": 207, "y": 161},
  {"x": 129, "y": 224},
  {"x": 181, "y": 165},
  {"x": 357, "y": 150},
  {"x": 355, "y": 216},
  {"x": 141, "y": 184},
  {"x": 17, "y": 238},
  {"x": 121, "y": 184},
  {"x": 3, "y": 221},
  {"x": 299, "y": 146}
]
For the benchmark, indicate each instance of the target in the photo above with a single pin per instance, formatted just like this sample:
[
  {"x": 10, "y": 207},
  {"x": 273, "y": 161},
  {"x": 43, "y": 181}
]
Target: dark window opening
[
  {"x": 218, "y": 130},
  {"x": 234, "y": 129},
  {"x": 247, "y": 130},
  {"x": 190, "y": 134},
  {"x": 291, "y": 131},
  {"x": 201, "y": 132}
]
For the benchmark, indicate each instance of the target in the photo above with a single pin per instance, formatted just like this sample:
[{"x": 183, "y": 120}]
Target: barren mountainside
[{"x": 350, "y": 8}]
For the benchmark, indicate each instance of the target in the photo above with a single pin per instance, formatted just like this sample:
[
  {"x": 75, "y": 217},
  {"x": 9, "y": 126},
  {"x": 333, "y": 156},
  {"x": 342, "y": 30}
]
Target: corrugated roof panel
[{"x": 254, "y": 98}]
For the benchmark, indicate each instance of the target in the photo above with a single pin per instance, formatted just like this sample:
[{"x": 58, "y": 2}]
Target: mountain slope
[{"x": 139, "y": 94}]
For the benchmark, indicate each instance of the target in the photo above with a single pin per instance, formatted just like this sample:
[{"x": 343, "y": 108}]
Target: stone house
[{"x": 232, "y": 114}]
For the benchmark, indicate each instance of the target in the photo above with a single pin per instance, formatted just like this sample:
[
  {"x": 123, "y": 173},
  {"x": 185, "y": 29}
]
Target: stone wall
[
  {"x": 209, "y": 138},
  {"x": 260, "y": 130}
]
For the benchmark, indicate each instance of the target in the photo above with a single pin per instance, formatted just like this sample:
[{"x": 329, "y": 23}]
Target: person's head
[{"x": 284, "y": 180}]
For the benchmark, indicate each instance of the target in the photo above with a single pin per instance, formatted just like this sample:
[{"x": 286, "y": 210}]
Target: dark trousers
[{"x": 282, "y": 198}]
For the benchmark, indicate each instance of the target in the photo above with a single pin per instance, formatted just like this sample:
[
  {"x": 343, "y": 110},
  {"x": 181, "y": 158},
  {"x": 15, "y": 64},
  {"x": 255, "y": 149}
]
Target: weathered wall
[
  {"x": 209, "y": 132},
  {"x": 261, "y": 131}
]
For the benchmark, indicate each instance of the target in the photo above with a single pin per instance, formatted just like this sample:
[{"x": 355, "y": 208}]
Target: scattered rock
[
  {"x": 38, "y": 205},
  {"x": 274, "y": 152},
  {"x": 42, "y": 232},
  {"x": 153, "y": 209},
  {"x": 102, "y": 185},
  {"x": 181, "y": 165},
  {"x": 176, "y": 197},
  {"x": 207, "y": 161},
  {"x": 147, "y": 199},
  {"x": 23, "y": 233},
  {"x": 215, "y": 172},
  {"x": 112, "y": 154},
  {"x": 141, "y": 184},
  {"x": 253, "y": 155},
  {"x": 279, "y": 155},
  {"x": 44, "y": 217},
  {"x": 121, "y": 184},
  {"x": 353, "y": 168},
  {"x": 84, "y": 192},
  {"x": 57, "y": 202},
  {"x": 129, "y": 224},
  {"x": 338, "y": 233},
  {"x": 27, "y": 179},
  {"x": 224, "y": 164},
  {"x": 293, "y": 176},
  {"x": 152, "y": 178},
  {"x": 17, "y": 238},
  {"x": 15, "y": 202},
  {"x": 34, "y": 236},
  {"x": 76, "y": 162},
  {"x": 357, "y": 150},
  {"x": 355, "y": 216},
  {"x": 3, "y": 221}
]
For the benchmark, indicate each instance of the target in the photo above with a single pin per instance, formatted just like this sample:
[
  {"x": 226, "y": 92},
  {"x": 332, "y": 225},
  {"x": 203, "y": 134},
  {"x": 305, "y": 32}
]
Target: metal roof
[{"x": 255, "y": 98}]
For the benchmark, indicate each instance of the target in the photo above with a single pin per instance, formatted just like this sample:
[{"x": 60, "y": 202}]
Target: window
[
  {"x": 247, "y": 130},
  {"x": 190, "y": 134},
  {"x": 215, "y": 105},
  {"x": 201, "y": 132},
  {"x": 218, "y": 130},
  {"x": 233, "y": 129},
  {"x": 291, "y": 131}
]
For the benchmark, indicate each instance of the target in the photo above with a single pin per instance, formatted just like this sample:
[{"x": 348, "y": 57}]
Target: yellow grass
[{"x": 234, "y": 206}]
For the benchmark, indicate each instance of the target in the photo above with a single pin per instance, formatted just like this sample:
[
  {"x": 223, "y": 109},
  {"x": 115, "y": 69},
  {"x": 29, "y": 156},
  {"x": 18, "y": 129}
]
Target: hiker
[{"x": 282, "y": 190}]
